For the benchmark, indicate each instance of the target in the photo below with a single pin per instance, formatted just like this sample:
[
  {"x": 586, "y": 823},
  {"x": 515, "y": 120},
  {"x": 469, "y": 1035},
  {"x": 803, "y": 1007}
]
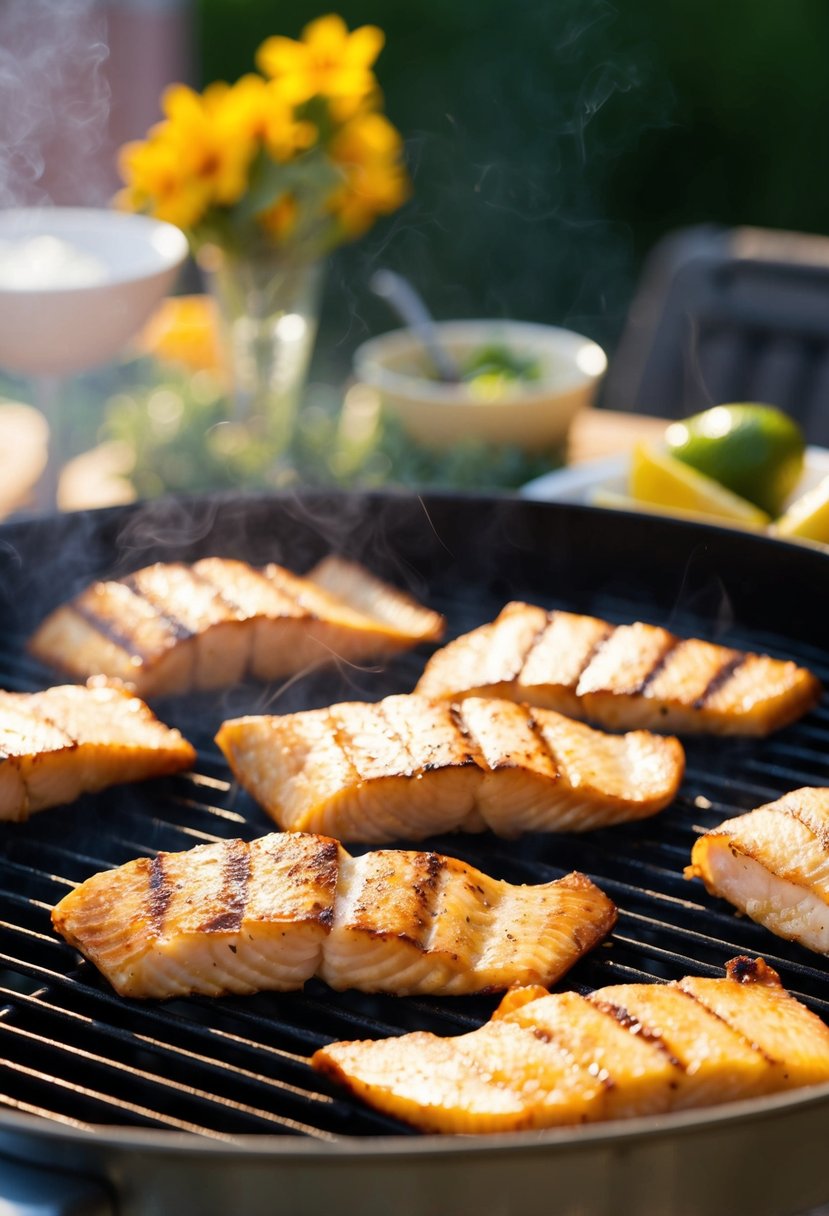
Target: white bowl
[
  {"x": 532, "y": 414},
  {"x": 97, "y": 284}
]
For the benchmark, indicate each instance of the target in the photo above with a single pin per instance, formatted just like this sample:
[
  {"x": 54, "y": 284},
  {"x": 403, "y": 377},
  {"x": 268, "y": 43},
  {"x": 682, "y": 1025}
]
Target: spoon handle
[{"x": 402, "y": 297}]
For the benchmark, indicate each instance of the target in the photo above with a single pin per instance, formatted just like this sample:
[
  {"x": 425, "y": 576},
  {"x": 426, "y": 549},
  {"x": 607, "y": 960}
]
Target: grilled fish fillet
[
  {"x": 172, "y": 627},
  {"x": 67, "y": 741},
  {"x": 406, "y": 767},
  {"x": 773, "y": 864},
  {"x": 634, "y": 1049},
  {"x": 620, "y": 676},
  {"x": 238, "y": 917}
]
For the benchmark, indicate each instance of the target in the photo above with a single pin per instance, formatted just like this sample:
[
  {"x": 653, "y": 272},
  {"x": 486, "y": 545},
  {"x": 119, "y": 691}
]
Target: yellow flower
[
  {"x": 210, "y": 139},
  {"x": 218, "y": 164},
  {"x": 368, "y": 150},
  {"x": 158, "y": 182},
  {"x": 367, "y": 137},
  {"x": 370, "y": 190},
  {"x": 328, "y": 61}
]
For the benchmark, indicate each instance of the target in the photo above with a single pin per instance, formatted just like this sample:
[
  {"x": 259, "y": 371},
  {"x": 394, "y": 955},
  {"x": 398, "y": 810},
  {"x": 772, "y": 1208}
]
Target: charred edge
[
  {"x": 181, "y": 631},
  {"x": 160, "y": 893},
  {"x": 543, "y": 742},
  {"x": 475, "y": 753},
  {"x": 636, "y": 1027},
  {"x": 657, "y": 667},
  {"x": 725, "y": 1022},
  {"x": 720, "y": 678},
  {"x": 108, "y": 629},
  {"x": 428, "y": 870},
  {"x": 234, "y": 894},
  {"x": 745, "y": 970},
  {"x": 818, "y": 830}
]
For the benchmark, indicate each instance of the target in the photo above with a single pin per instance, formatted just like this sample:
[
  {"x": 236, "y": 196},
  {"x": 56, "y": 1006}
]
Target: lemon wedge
[
  {"x": 601, "y": 497},
  {"x": 661, "y": 481},
  {"x": 808, "y": 516}
]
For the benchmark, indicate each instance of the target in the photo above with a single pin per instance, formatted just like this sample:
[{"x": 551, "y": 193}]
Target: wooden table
[{"x": 598, "y": 433}]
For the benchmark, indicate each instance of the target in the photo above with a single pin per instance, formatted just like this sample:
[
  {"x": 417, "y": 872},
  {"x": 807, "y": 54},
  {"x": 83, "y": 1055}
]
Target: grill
[{"x": 231, "y": 1071}]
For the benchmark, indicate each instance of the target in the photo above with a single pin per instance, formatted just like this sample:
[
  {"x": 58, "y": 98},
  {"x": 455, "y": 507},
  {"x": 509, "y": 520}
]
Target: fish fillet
[
  {"x": 173, "y": 627},
  {"x": 237, "y": 917},
  {"x": 406, "y": 767},
  {"x": 620, "y": 676},
  {"x": 773, "y": 864},
  {"x": 636, "y": 1049},
  {"x": 67, "y": 741}
]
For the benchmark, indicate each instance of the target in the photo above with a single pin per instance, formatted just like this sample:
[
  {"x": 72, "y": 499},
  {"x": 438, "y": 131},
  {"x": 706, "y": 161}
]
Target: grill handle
[{"x": 26, "y": 1190}]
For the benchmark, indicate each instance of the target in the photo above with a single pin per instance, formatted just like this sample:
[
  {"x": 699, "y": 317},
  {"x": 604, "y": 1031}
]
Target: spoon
[{"x": 409, "y": 306}]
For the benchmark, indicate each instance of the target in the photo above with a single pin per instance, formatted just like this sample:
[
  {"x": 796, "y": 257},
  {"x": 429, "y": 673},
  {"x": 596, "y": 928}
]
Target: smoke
[{"x": 54, "y": 103}]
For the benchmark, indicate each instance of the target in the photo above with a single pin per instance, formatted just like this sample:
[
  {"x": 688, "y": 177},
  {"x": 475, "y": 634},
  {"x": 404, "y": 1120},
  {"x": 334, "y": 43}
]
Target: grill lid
[{"x": 75, "y": 1054}]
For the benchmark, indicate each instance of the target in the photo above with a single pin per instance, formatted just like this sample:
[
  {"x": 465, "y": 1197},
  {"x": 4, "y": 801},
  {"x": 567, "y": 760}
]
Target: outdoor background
[{"x": 552, "y": 142}]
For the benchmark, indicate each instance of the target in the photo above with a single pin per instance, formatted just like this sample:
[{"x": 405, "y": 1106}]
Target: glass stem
[{"x": 47, "y": 400}]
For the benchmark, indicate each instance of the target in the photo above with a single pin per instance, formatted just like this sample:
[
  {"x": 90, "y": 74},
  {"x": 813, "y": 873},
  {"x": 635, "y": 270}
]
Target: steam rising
[{"x": 54, "y": 103}]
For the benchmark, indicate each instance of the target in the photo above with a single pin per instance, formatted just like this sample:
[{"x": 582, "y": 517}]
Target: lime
[
  {"x": 659, "y": 479},
  {"x": 754, "y": 450},
  {"x": 808, "y": 516}
]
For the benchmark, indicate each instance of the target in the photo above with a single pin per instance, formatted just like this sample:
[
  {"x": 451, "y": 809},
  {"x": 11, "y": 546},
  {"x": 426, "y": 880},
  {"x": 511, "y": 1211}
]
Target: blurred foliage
[
  {"x": 552, "y": 143},
  {"x": 185, "y": 441}
]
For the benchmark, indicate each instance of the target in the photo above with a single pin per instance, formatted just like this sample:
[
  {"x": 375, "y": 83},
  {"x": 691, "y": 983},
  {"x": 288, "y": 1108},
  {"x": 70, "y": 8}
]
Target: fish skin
[
  {"x": 621, "y": 677},
  {"x": 773, "y": 865},
  {"x": 234, "y": 917},
  {"x": 552, "y": 1060},
  {"x": 408, "y": 768},
  {"x": 172, "y": 627},
  {"x": 68, "y": 740}
]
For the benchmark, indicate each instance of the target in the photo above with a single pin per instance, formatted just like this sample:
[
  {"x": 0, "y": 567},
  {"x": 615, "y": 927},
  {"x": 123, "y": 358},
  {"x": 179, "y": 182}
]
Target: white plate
[{"x": 578, "y": 482}]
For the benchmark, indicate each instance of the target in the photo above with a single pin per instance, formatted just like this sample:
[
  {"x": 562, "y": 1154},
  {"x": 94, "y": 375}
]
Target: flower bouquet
[{"x": 266, "y": 176}]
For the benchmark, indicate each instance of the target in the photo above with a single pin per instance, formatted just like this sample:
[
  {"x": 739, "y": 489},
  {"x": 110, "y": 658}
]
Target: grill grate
[{"x": 75, "y": 1053}]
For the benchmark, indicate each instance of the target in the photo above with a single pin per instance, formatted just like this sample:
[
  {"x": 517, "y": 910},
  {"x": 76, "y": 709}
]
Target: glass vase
[{"x": 268, "y": 309}]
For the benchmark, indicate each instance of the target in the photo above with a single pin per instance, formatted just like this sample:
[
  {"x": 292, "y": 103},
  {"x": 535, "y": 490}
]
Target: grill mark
[
  {"x": 219, "y": 592},
  {"x": 770, "y": 1060},
  {"x": 720, "y": 678},
  {"x": 536, "y": 638},
  {"x": 670, "y": 646},
  {"x": 475, "y": 753},
  {"x": 544, "y": 743},
  {"x": 234, "y": 893},
  {"x": 426, "y": 886},
  {"x": 593, "y": 653},
  {"x": 39, "y": 716},
  {"x": 108, "y": 629},
  {"x": 223, "y": 593},
  {"x": 286, "y": 587},
  {"x": 159, "y": 895},
  {"x": 819, "y": 830},
  {"x": 405, "y": 750},
  {"x": 343, "y": 737},
  {"x": 636, "y": 1027},
  {"x": 181, "y": 631}
]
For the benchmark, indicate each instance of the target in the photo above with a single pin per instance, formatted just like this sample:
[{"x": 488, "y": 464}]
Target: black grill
[{"x": 73, "y": 1052}]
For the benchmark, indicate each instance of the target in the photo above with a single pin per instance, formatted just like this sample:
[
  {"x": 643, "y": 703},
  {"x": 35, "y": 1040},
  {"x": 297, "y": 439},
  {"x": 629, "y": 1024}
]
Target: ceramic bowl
[
  {"x": 77, "y": 282},
  {"x": 534, "y": 415}
]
